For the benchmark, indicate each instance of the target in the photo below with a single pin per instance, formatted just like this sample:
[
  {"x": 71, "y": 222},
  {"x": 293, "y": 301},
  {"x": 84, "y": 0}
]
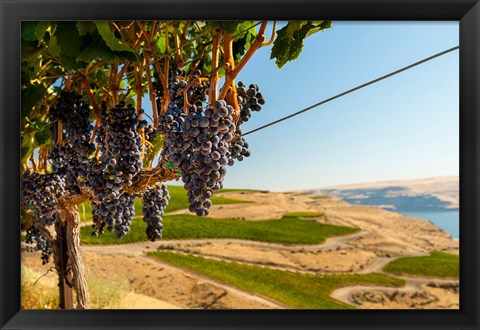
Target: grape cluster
[
  {"x": 178, "y": 80},
  {"x": 35, "y": 237},
  {"x": 155, "y": 200},
  {"x": 238, "y": 149},
  {"x": 198, "y": 147},
  {"x": 41, "y": 192},
  {"x": 72, "y": 158},
  {"x": 169, "y": 124},
  {"x": 250, "y": 99},
  {"x": 114, "y": 213},
  {"x": 201, "y": 142},
  {"x": 120, "y": 145}
]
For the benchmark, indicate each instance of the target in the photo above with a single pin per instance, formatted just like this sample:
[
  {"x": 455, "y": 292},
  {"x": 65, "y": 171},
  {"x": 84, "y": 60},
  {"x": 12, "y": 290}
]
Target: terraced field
[
  {"x": 296, "y": 290},
  {"x": 288, "y": 230}
]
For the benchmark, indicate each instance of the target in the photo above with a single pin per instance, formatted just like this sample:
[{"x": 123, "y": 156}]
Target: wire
[{"x": 352, "y": 90}]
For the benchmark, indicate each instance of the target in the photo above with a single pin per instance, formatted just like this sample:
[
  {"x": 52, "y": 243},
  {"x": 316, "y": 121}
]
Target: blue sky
[{"x": 401, "y": 128}]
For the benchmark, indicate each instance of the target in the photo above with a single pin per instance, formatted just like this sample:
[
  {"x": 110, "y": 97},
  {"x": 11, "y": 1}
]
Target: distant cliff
[{"x": 431, "y": 194}]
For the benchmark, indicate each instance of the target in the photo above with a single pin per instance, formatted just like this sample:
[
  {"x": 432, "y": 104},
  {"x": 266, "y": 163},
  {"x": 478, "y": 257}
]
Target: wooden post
[{"x": 64, "y": 274}]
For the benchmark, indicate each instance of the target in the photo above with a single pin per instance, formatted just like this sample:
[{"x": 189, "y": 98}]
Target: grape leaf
[
  {"x": 42, "y": 136},
  {"x": 96, "y": 49},
  {"x": 289, "y": 42},
  {"x": 159, "y": 42},
  {"x": 229, "y": 27},
  {"x": 245, "y": 35},
  {"x": 53, "y": 46},
  {"x": 85, "y": 27},
  {"x": 294, "y": 26},
  {"x": 68, "y": 39},
  {"x": 29, "y": 50},
  {"x": 71, "y": 63},
  {"x": 26, "y": 148},
  {"x": 41, "y": 29},
  {"x": 31, "y": 96},
  {"x": 109, "y": 37}
]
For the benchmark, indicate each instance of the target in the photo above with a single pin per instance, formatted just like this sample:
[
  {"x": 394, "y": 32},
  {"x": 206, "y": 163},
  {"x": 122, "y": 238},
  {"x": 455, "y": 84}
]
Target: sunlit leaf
[
  {"x": 289, "y": 42},
  {"x": 40, "y": 30},
  {"x": 109, "y": 37},
  {"x": 85, "y": 27}
]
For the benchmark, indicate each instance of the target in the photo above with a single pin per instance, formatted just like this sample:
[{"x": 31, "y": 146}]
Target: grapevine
[{"x": 87, "y": 138}]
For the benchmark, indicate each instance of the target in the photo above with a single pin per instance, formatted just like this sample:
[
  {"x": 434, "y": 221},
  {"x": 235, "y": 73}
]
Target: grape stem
[
  {"x": 230, "y": 89},
  {"x": 34, "y": 165},
  {"x": 212, "y": 96},
  {"x": 166, "y": 94},
  {"x": 272, "y": 38},
  {"x": 138, "y": 82},
  {"x": 178, "y": 50},
  {"x": 68, "y": 83},
  {"x": 235, "y": 71},
  {"x": 151, "y": 91},
  {"x": 184, "y": 90},
  {"x": 163, "y": 76},
  {"x": 120, "y": 32},
  {"x": 138, "y": 86},
  {"x": 183, "y": 36},
  {"x": 94, "y": 103},
  {"x": 112, "y": 84},
  {"x": 149, "y": 144},
  {"x": 59, "y": 132}
]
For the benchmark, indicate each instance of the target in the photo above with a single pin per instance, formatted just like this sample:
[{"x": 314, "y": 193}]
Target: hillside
[
  {"x": 348, "y": 268},
  {"x": 430, "y": 194}
]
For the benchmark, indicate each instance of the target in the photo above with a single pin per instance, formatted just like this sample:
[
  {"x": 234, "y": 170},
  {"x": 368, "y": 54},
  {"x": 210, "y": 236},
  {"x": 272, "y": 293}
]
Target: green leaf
[
  {"x": 109, "y": 37},
  {"x": 40, "y": 30},
  {"x": 85, "y": 27},
  {"x": 246, "y": 27},
  {"x": 69, "y": 41},
  {"x": 289, "y": 42},
  {"x": 71, "y": 63},
  {"x": 96, "y": 49},
  {"x": 229, "y": 27},
  {"x": 29, "y": 50},
  {"x": 30, "y": 97},
  {"x": 293, "y": 27},
  {"x": 131, "y": 56},
  {"x": 27, "y": 147},
  {"x": 245, "y": 35},
  {"x": 53, "y": 48},
  {"x": 152, "y": 152},
  {"x": 159, "y": 42},
  {"x": 29, "y": 31},
  {"x": 321, "y": 25},
  {"x": 42, "y": 136}
]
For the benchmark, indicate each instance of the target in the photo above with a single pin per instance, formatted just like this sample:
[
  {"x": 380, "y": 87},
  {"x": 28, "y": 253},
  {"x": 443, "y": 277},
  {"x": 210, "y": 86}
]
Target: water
[{"x": 447, "y": 220}]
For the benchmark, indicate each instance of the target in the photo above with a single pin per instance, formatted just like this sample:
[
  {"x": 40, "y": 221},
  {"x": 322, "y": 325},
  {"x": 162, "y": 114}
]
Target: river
[{"x": 448, "y": 220}]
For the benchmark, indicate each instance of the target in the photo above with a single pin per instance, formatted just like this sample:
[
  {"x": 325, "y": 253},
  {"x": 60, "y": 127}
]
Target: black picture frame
[{"x": 467, "y": 12}]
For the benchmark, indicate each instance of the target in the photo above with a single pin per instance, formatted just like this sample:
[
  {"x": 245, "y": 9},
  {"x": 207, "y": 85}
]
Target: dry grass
[{"x": 43, "y": 294}]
